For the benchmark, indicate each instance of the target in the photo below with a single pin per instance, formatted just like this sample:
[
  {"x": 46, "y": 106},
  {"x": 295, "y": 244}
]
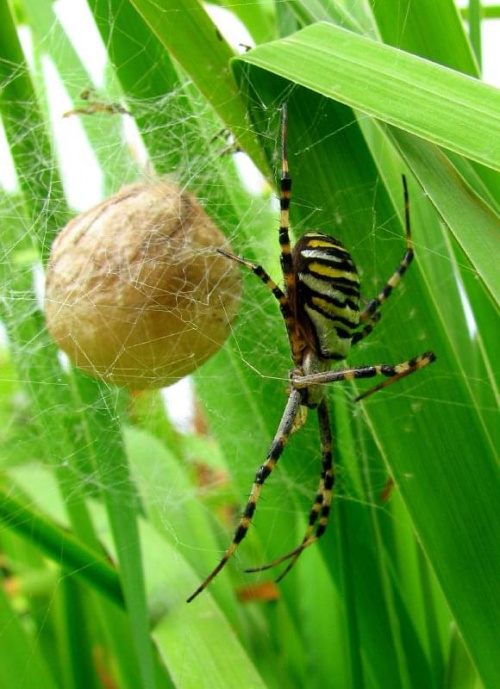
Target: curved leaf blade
[{"x": 387, "y": 83}]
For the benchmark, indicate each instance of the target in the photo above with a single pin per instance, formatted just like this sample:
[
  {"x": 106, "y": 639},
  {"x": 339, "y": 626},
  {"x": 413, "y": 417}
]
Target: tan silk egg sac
[{"x": 136, "y": 292}]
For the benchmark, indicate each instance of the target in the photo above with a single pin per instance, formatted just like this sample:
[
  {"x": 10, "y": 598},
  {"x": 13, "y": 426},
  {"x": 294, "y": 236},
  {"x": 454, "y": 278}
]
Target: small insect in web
[
  {"x": 320, "y": 304},
  {"x": 96, "y": 106}
]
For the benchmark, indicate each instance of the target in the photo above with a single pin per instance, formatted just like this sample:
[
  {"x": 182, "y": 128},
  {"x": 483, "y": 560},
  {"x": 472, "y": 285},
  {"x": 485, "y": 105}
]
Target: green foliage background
[{"x": 105, "y": 526}]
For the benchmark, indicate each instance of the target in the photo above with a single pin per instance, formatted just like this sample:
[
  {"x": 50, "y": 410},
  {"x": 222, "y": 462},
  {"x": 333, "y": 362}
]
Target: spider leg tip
[
  {"x": 195, "y": 594},
  {"x": 251, "y": 570}
]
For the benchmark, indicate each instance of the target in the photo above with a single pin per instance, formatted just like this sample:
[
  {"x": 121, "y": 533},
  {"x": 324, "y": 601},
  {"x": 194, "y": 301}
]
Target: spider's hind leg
[
  {"x": 322, "y": 503},
  {"x": 275, "y": 451}
]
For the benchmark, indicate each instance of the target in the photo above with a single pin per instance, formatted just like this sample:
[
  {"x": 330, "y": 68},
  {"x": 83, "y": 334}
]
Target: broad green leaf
[
  {"x": 22, "y": 661},
  {"x": 471, "y": 220},
  {"x": 435, "y": 407},
  {"x": 355, "y": 61},
  {"x": 194, "y": 642},
  {"x": 387, "y": 83},
  {"x": 418, "y": 29},
  {"x": 35, "y": 356},
  {"x": 186, "y": 30}
]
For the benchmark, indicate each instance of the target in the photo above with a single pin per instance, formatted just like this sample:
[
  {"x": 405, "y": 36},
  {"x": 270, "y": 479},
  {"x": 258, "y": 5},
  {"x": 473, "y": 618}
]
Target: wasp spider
[{"x": 320, "y": 307}]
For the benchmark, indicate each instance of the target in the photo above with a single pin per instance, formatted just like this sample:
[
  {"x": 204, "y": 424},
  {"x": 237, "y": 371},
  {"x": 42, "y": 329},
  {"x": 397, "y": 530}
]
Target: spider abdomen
[{"x": 327, "y": 293}]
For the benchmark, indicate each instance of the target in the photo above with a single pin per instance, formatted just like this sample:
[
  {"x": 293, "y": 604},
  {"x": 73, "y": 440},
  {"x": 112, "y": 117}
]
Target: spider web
[{"x": 193, "y": 448}]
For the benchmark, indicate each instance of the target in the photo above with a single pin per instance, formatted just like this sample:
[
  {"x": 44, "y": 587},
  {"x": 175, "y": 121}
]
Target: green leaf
[
  {"x": 418, "y": 29},
  {"x": 197, "y": 640},
  {"x": 35, "y": 355},
  {"x": 21, "y": 657},
  {"x": 147, "y": 77},
  {"x": 387, "y": 83},
  {"x": 26, "y": 133},
  {"x": 463, "y": 210},
  {"x": 51, "y": 41},
  {"x": 60, "y": 546},
  {"x": 186, "y": 30},
  {"x": 426, "y": 429}
]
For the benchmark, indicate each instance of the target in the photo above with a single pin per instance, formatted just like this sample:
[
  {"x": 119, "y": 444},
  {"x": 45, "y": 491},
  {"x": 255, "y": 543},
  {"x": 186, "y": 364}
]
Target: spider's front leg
[
  {"x": 370, "y": 310},
  {"x": 280, "y": 296},
  {"x": 367, "y": 330},
  {"x": 275, "y": 451}
]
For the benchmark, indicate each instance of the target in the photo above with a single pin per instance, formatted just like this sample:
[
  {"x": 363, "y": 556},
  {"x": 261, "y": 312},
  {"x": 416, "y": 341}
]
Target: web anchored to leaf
[{"x": 110, "y": 489}]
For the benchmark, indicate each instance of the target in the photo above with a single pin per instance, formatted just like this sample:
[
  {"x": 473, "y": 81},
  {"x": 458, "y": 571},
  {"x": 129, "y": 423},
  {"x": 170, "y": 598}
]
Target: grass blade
[
  {"x": 61, "y": 547},
  {"x": 188, "y": 33},
  {"x": 356, "y": 61},
  {"x": 419, "y": 30},
  {"x": 20, "y": 659},
  {"x": 386, "y": 83},
  {"x": 27, "y": 133},
  {"x": 433, "y": 473}
]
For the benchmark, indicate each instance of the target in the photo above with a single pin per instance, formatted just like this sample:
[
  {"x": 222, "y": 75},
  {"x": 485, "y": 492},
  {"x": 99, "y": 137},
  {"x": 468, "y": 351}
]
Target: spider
[{"x": 320, "y": 307}]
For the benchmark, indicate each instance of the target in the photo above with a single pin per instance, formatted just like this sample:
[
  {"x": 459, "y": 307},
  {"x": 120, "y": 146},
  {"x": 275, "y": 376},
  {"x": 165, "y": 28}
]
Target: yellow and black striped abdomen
[{"x": 327, "y": 293}]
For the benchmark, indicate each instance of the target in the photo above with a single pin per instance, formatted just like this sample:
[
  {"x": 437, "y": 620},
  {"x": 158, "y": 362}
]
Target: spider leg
[
  {"x": 400, "y": 371},
  {"x": 258, "y": 271},
  {"x": 275, "y": 451},
  {"x": 284, "y": 302},
  {"x": 322, "y": 503},
  {"x": 394, "y": 373},
  {"x": 375, "y": 304},
  {"x": 295, "y": 339},
  {"x": 313, "y": 518},
  {"x": 372, "y": 322},
  {"x": 284, "y": 233},
  {"x": 285, "y": 194},
  {"x": 284, "y": 298}
]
